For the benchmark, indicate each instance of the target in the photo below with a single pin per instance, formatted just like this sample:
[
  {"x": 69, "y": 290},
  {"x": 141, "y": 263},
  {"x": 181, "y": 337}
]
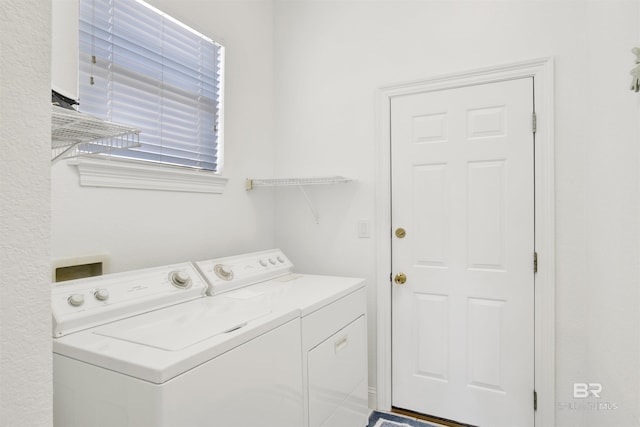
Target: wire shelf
[
  {"x": 300, "y": 183},
  {"x": 75, "y": 134},
  {"x": 283, "y": 182}
]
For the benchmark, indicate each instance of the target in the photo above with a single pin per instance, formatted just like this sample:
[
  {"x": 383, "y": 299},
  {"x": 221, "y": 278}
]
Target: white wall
[
  {"x": 613, "y": 217},
  {"x": 25, "y": 117},
  {"x": 145, "y": 228},
  {"x": 330, "y": 57}
]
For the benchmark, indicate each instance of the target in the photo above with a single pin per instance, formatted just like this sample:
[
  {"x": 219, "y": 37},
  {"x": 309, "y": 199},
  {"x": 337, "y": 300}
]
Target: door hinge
[
  {"x": 535, "y": 400},
  {"x": 534, "y": 122},
  {"x": 535, "y": 262}
]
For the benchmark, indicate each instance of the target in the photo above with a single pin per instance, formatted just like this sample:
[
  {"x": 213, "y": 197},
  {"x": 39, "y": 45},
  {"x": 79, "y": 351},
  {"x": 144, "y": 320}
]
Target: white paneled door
[{"x": 462, "y": 181}]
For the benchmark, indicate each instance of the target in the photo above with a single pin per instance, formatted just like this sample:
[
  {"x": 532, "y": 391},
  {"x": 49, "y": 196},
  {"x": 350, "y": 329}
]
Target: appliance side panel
[
  {"x": 258, "y": 383},
  {"x": 85, "y": 395}
]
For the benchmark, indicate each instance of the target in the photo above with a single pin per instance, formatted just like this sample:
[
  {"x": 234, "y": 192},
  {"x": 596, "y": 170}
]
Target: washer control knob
[
  {"x": 76, "y": 300},
  {"x": 101, "y": 294},
  {"x": 272, "y": 261},
  {"x": 223, "y": 271},
  {"x": 180, "y": 279},
  {"x": 263, "y": 263},
  {"x": 280, "y": 259}
]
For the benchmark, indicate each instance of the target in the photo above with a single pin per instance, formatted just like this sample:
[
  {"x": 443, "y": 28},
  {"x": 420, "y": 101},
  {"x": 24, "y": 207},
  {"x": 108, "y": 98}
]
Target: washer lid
[
  {"x": 160, "y": 345},
  {"x": 174, "y": 329}
]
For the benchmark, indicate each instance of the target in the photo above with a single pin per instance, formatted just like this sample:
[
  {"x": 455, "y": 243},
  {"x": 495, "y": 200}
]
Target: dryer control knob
[
  {"x": 263, "y": 263},
  {"x": 280, "y": 259},
  {"x": 272, "y": 261},
  {"x": 180, "y": 279},
  {"x": 76, "y": 300},
  {"x": 223, "y": 271},
  {"x": 101, "y": 294}
]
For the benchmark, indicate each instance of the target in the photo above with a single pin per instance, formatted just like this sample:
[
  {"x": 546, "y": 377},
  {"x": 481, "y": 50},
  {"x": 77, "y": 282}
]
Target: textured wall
[{"x": 25, "y": 331}]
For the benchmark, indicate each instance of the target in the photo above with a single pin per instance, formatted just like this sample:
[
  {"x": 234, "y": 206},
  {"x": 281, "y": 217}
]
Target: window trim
[{"x": 132, "y": 174}]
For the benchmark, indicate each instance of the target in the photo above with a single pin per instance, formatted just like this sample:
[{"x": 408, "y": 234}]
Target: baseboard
[{"x": 373, "y": 398}]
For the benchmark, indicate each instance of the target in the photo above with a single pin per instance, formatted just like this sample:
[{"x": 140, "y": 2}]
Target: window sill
[{"x": 114, "y": 173}]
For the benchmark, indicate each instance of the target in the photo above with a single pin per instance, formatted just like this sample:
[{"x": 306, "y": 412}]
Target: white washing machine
[
  {"x": 147, "y": 348},
  {"x": 333, "y": 328}
]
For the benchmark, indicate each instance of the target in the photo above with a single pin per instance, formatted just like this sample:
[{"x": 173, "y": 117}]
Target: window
[{"x": 142, "y": 68}]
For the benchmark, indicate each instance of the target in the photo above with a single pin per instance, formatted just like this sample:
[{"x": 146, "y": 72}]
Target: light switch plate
[{"x": 364, "y": 229}]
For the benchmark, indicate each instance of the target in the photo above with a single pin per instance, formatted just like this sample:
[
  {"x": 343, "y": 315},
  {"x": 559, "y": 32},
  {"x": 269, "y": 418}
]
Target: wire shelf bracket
[
  {"x": 300, "y": 183},
  {"x": 76, "y": 134}
]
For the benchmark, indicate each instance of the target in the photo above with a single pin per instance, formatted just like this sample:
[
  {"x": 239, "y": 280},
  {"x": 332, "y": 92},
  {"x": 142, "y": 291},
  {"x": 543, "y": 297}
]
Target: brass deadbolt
[
  {"x": 400, "y": 233},
  {"x": 400, "y": 278}
]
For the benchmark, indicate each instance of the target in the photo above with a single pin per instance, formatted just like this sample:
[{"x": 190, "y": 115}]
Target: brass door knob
[
  {"x": 400, "y": 233},
  {"x": 400, "y": 278}
]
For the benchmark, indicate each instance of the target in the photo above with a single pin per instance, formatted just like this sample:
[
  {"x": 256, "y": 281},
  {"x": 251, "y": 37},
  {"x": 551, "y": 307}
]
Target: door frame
[{"x": 544, "y": 335}]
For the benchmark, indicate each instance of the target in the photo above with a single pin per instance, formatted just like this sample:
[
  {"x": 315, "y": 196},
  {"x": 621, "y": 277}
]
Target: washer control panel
[
  {"x": 83, "y": 303},
  {"x": 226, "y": 274}
]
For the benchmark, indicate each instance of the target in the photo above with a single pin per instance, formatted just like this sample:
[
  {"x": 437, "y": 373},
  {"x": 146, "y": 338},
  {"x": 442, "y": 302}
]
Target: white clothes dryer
[
  {"x": 147, "y": 348},
  {"x": 333, "y": 327}
]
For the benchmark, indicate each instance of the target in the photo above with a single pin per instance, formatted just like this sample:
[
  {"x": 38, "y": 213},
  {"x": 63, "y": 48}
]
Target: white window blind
[{"x": 142, "y": 68}]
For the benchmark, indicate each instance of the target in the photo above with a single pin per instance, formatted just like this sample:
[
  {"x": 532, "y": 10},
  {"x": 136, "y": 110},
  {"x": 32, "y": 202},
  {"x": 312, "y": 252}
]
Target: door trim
[{"x": 542, "y": 72}]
